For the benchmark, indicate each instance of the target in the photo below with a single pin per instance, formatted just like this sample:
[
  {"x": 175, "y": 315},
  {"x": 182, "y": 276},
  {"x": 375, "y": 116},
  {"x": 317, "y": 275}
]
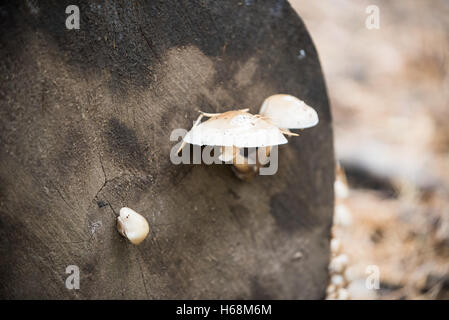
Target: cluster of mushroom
[
  {"x": 132, "y": 225},
  {"x": 238, "y": 129},
  {"x": 233, "y": 131}
]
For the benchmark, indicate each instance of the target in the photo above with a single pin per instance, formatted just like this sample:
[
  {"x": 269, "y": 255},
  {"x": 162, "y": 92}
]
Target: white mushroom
[
  {"x": 286, "y": 111},
  {"x": 235, "y": 128},
  {"x": 132, "y": 225},
  {"x": 232, "y": 131}
]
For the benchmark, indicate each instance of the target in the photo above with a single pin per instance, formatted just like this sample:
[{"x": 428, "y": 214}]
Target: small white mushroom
[
  {"x": 286, "y": 111},
  {"x": 132, "y": 225}
]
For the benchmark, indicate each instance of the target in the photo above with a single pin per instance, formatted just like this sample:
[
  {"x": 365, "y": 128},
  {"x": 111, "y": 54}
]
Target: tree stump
[{"x": 86, "y": 117}]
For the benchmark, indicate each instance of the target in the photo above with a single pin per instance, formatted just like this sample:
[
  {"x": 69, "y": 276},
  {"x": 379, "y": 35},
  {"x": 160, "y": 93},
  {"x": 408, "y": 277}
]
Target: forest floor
[{"x": 389, "y": 93}]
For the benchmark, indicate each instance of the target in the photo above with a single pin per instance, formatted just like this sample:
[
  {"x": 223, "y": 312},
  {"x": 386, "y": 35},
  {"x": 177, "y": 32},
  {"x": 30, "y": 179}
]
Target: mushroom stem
[
  {"x": 227, "y": 153},
  {"x": 241, "y": 167},
  {"x": 261, "y": 161},
  {"x": 240, "y": 162},
  {"x": 132, "y": 225},
  {"x": 287, "y": 132},
  {"x": 267, "y": 150}
]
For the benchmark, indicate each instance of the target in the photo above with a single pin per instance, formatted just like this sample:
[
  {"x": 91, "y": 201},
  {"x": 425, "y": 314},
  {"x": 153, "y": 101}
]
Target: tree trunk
[{"x": 86, "y": 117}]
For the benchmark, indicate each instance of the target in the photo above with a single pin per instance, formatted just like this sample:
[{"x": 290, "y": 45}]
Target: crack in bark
[
  {"x": 104, "y": 185},
  {"x": 102, "y": 167},
  {"x": 143, "y": 278},
  {"x": 63, "y": 199},
  {"x": 106, "y": 181}
]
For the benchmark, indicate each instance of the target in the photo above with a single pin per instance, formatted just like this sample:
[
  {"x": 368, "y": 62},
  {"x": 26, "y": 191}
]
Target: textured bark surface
[{"x": 86, "y": 117}]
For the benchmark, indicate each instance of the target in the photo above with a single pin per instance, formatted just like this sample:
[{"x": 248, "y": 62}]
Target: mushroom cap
[
  {"x": 235, "y": 128},
  {"x": 286, "y": 111},
  {"x": 132, "y": 225}
]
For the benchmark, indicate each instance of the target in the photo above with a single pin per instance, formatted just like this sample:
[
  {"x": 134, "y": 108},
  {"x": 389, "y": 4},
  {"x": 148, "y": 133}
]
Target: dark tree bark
[{"x": 86, "y": 117}]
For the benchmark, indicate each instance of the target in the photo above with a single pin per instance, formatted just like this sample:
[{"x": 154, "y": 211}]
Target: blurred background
[{"x": 389, "y": 90}]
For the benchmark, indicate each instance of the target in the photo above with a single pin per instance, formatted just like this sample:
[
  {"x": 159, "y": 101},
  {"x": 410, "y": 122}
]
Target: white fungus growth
[
  {"x": 286, "y": 111},
  {"x": 227, "y": 154},
  {"x": 238, "y": 129},
  {"x": 235, "y": 129},
  {"x": 132, "y": 225}
]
